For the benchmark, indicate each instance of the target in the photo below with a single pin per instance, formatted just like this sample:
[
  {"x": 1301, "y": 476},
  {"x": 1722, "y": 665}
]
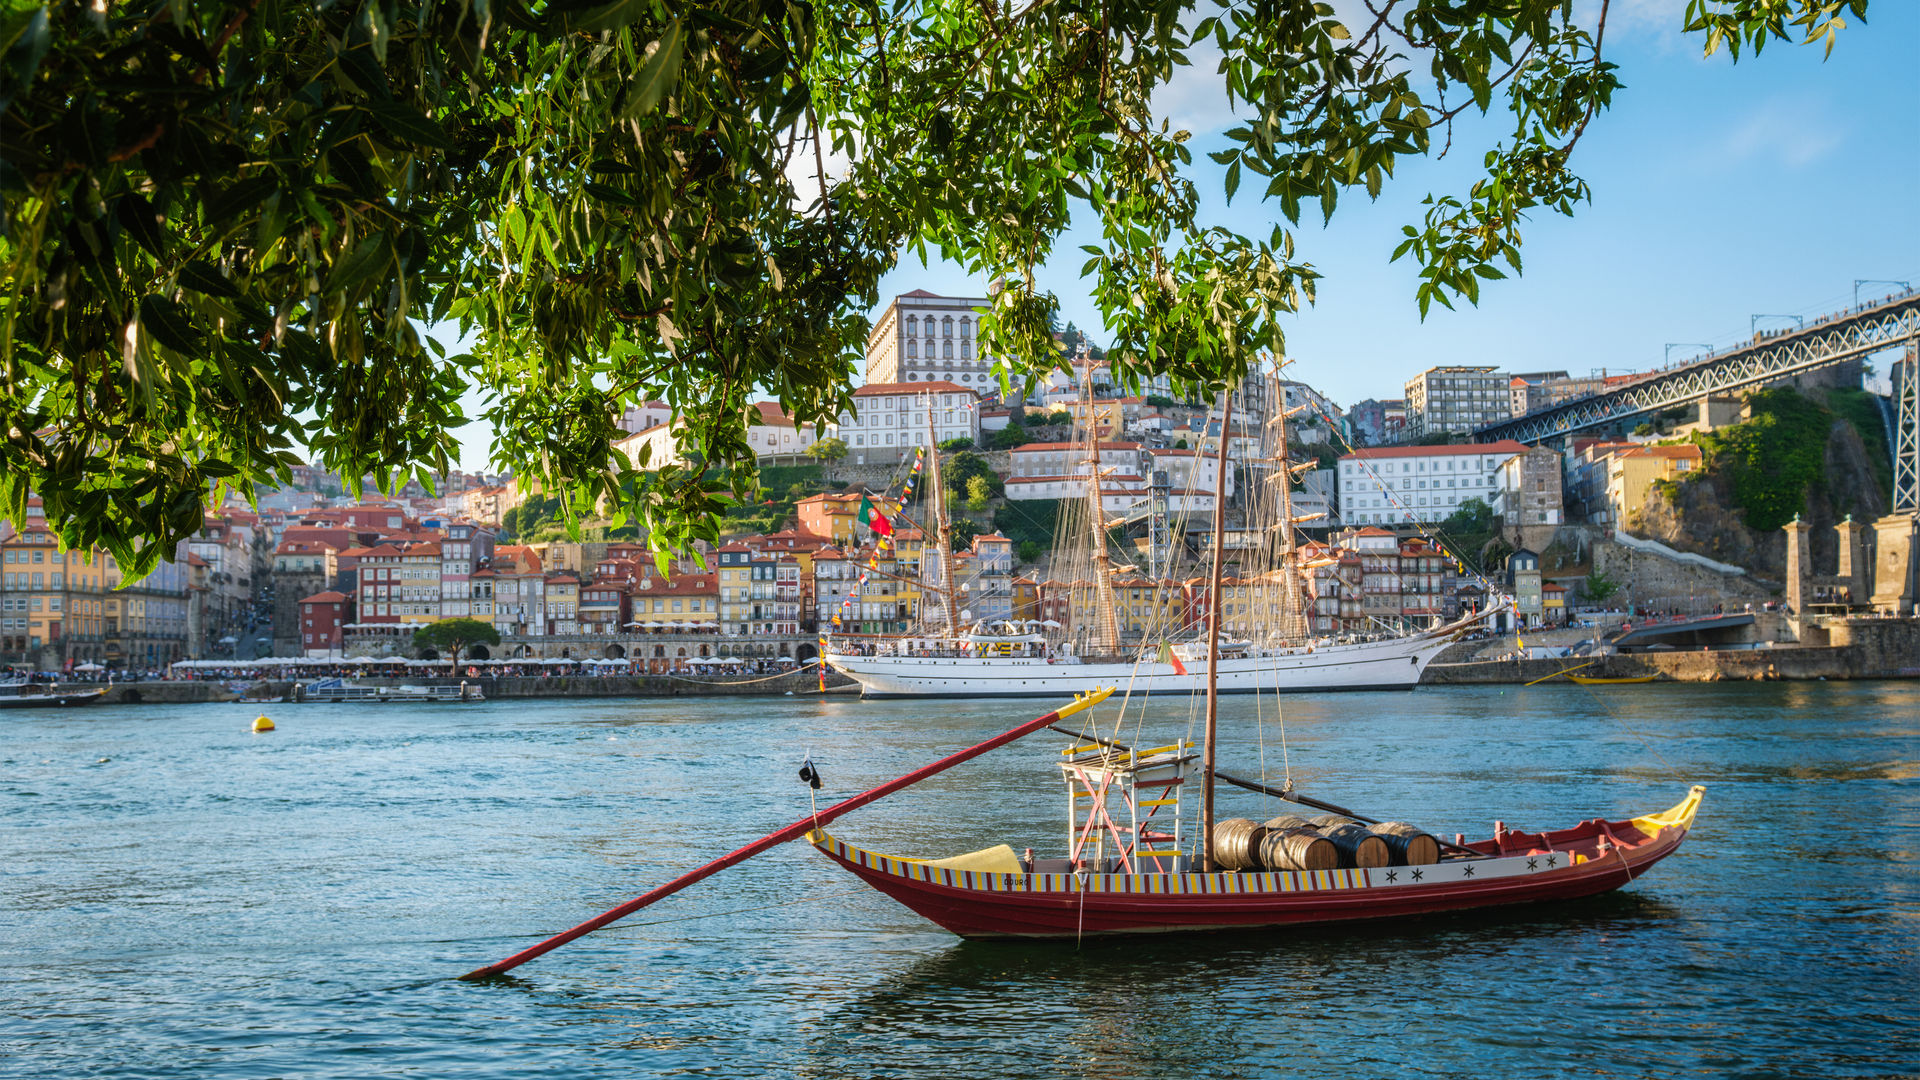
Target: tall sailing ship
[{"x": 1272, "y": 650}]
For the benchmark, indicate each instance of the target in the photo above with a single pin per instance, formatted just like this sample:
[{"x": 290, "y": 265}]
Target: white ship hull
[{"x": 1394, "y": 664}]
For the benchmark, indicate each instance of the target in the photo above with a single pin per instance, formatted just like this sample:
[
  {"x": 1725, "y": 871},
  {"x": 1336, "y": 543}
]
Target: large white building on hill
[
  {"x": 921, "y": 337},
  {"x": 1414, "y": 485}
]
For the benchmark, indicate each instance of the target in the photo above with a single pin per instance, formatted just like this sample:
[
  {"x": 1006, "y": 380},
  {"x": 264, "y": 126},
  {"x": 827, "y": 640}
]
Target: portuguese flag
[
  {"x": 874, "y": 519},
  {"x": 1167, "y": 657}
]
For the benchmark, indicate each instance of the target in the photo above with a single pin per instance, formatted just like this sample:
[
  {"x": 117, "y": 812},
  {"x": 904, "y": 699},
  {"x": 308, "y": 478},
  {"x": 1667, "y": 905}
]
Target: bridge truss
[{"x": 1848, "y": 337}]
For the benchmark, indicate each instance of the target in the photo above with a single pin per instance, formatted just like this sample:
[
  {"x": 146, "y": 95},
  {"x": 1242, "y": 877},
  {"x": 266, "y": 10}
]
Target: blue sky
[{"x": 1719, "y": 191}]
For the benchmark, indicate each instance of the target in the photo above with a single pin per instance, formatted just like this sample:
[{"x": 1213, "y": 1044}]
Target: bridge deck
[
  {"x": 1835, "y": 338},
  {"x": 1636, "y": 633}
]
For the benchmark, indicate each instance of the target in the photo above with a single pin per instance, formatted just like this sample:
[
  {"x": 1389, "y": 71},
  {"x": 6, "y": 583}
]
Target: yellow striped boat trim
[{"x": 1148, "y": 884}]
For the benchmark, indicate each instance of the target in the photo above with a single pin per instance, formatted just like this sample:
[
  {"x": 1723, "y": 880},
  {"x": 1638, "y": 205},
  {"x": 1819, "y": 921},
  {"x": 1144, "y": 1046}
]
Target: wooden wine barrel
[
  {"x": 1289, "y": 821},
  {"x": 1236, "y": 844},
  {"x": 1323, "y": 822},
  {"x": 1408, "y": 845},
  {"x": 1358, "y": 847},
  {"x": 1298, "y": 848}
]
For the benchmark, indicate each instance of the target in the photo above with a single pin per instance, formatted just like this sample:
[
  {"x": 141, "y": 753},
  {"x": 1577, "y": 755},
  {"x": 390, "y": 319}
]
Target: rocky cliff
[{"x": 1701, "y": 515}]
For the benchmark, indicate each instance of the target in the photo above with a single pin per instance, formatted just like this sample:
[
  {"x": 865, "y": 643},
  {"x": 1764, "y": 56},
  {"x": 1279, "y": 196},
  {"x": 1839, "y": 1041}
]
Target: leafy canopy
[
  {"x": 454, "y": 635},
  {"x": 1773, "y": 459},
  {"x": 831, "y": 448},
  {"x": 226, "y": 222}
]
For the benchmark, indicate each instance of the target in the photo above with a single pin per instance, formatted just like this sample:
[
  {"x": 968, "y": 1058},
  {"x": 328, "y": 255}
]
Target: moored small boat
[
  {"x": 1596, "y": 680},
  {"x": 24, "y": 695}
]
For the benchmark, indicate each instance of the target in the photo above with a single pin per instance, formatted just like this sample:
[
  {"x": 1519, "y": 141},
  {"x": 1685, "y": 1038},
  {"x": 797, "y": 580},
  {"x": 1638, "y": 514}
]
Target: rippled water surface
[{"x": 184, "y": 898}]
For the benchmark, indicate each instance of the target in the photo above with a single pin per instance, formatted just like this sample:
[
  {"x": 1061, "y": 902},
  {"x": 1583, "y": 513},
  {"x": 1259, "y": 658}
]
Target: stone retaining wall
[
  {"x": 161, "y": 693},
  {"x": 1648, "y": 578},
  {"x": 1788, "y": 663}
]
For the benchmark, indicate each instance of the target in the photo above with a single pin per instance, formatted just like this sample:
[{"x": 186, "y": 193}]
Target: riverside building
[{"x": 1404, "y": 486}]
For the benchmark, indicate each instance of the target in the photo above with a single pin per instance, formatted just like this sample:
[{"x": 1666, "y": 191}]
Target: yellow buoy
[{"x": 262, "y": 724}]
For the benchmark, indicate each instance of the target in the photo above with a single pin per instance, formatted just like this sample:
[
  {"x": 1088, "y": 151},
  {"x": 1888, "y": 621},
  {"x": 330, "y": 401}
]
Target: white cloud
[
  {"x": 1196, "y": 97},
  {"x": 1794, "y": 132}
]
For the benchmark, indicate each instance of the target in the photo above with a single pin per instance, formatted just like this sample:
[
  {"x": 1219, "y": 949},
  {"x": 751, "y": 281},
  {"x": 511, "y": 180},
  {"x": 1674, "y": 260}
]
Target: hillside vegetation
[{"x": 1821, "y": 459}]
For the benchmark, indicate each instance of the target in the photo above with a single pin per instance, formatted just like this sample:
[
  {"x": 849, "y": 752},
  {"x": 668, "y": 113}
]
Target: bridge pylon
[{"x": 1906, "y": 434}]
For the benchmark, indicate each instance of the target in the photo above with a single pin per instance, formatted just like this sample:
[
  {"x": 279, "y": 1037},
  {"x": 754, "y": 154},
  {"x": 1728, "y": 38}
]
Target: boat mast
[
  {"x": 1290, "y": 598},
  {"x": 941, "y": 526},
  {"x": 1107, "y": 628},
  {"x": 1213, "y": 644}
]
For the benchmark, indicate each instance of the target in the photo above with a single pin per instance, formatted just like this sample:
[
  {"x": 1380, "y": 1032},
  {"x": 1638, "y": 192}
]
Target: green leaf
[
  {"x": 163, "y": 319},
  {"x": 202, "y": 277},
  {"x": 136, "y": 215},
  {"x": 592, "y": 20},
  {"x": 408, "y": 124},
  {"x": 23, "y": 56},
  {"x": 368, "y": 259},
  {"x": 379, "y": 30},
  {"x": 350, "y": 166},
  {"x": 609, "y": 193},
  {"x": 358, "y": 65},
  {"x": 239, "y": 198},
  {"x": 659, "y": 72}
]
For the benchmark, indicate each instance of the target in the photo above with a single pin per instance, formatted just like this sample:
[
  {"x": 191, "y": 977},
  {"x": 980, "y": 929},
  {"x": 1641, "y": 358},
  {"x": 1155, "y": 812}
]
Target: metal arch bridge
[{"x": 1850, "y": 336}]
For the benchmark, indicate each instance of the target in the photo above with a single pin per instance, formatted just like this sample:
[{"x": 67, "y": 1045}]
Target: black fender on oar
[{"x": 792, "y": 832}]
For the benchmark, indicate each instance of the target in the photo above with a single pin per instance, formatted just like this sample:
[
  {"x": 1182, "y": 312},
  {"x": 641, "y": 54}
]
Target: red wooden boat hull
[{"x": 1513, "y": 868}]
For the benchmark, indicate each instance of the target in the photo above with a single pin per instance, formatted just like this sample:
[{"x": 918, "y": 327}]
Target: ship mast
[
  {"x": 1213, "y": 644},
  {"x": 1107, "y": 628},
  {"x": 941, "y": 525},
  {"x": 1288, "y": 551}
]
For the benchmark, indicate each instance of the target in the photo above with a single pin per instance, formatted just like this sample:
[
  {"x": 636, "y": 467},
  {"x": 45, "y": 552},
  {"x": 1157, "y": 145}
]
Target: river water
[{"x": 183, "y": 898}]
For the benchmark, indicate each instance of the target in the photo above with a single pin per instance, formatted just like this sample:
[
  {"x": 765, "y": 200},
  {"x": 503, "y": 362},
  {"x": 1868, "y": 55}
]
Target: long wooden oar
[
  {"x": 1557, "y": 674},
  {"x": 792, "y": 832}
]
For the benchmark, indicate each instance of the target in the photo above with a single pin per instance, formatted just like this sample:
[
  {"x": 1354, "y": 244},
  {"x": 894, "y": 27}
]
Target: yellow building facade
[{"x": 52, "y": 602}]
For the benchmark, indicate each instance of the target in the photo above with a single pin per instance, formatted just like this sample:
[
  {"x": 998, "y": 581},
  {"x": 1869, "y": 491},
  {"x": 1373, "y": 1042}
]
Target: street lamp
[
  {"x": 1754, "y": 322},
  {"x": 1857, "y": 282}
]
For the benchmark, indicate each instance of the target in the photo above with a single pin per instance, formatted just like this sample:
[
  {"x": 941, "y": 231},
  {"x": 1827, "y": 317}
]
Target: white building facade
[
  {"x": 1059, "y": 471},
  {"x": 772, "y": 432},
  {"x": 1405, "y": 486},
  {"x": 1192, "y": 479},
  {"x": 922, "y": 337},
  {"x": 890, "y": 419}
]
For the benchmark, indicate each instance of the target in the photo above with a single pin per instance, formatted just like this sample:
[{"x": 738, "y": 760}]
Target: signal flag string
[{"x": 883, "y": 544}]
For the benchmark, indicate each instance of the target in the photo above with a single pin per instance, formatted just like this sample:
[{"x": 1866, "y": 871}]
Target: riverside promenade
[{"x": 206, "y": 691}]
